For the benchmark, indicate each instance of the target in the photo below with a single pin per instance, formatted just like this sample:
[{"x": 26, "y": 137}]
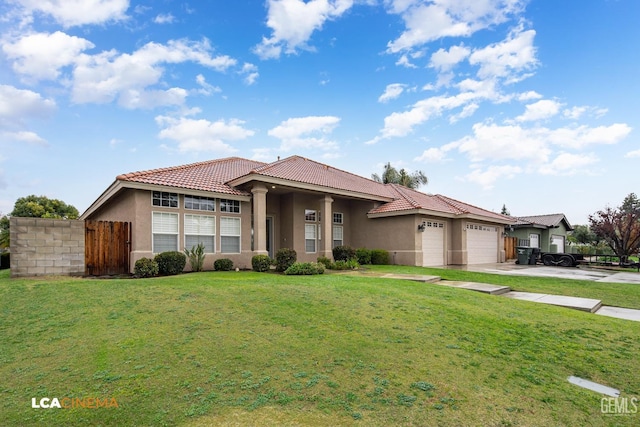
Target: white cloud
[
  {"x": 528, "y": 96},
  {"x": 405, "y": 62},
  {"x": 250, "y": 72},
  {"x": 16, "y": 105},
  {"x": 568, "y": 164},
  {"x": 432, "y": 20},
  {"x": 467, "y": 111},
  {"x": 71, "y": 13},
  {"x": 297, "y": 132},
  {"x": 107, "y": 76},
  {"x": 488, "y": 177},
  {"x": 202, "y": 135},
  {"x": 583, "y": 136},
  {"x": 41, "y": 55},
  {"x": 164, "y": 19},
  {"x": 508, "y": 59},
  {"x": 293, "y": 22},
  {"x": 632, "y": 154},
  {"x": 206, "y": 88},
  {"x": 445, "y": 60},
  {"x": 540, "y": 110},
  {"x": 392, "y": 91},
  {"x": 22, "y": 136},
  {"x": 432, "y": 155}
]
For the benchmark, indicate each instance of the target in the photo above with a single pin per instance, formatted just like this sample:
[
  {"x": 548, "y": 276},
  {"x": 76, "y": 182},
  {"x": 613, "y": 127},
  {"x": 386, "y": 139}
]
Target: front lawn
[{"x": 264, "y": 349}]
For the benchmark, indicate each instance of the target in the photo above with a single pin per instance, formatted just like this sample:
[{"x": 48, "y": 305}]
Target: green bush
[
  {"x": 171, "y": 262},
  {"x": 343, "y": 253},
  {"x": 223, "y": 264},
  {"x": 285, "y": 258},
  {"x": 145, "y": 267},
  {"x": 363, "y": 256},
  {"x": 196, "y": 257},
  {"x": 304, "y": 268},
  {"x": 352, "y": 264},
  {"x": 261, "y": 263},
  {"x": 324, "y": 261},
  {"x": 379, "y": 257}
]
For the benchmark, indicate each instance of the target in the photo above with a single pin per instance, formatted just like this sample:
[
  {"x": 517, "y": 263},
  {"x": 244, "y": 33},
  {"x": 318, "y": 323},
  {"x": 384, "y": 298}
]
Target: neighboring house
[
  {"x": 547, "y": 232},
  {"x": 239, "y": 208}
]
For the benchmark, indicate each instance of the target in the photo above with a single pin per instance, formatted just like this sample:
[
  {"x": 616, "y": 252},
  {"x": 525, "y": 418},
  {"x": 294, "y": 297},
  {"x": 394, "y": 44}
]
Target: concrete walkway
[{"x": 584, "y": 304}]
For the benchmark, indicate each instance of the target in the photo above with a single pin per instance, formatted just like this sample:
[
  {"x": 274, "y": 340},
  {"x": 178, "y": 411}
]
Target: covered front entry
[
  {"x": 482, "y": 244},
  {"x": 433, "y": 244}
]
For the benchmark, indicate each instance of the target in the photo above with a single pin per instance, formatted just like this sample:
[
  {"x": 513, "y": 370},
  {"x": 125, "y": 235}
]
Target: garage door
[
  {"x": 433, "y": 243},
  {"x": 482, "y": 244}
]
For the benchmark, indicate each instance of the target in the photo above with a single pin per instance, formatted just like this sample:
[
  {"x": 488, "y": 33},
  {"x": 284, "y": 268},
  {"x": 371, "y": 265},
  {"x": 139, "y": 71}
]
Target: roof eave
[{"x": 304, "y": 186}]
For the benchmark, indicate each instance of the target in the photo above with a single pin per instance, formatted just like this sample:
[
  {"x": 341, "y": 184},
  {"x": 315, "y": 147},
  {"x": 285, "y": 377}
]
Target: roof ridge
[
  {"x": 407, "y": 197},
  {"x": 134, "y": 174}
]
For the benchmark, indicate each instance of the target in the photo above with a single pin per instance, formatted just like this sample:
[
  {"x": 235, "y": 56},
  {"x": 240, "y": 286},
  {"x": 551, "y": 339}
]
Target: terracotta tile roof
[
  {"x": 210, "y": 175},
  {"x": 550, "y": 220},
  {"x": 306, "y": 171}
]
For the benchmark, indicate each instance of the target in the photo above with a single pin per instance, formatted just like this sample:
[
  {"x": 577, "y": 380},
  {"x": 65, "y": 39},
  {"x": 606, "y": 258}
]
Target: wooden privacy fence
[
  {"x": 510, "y": 244},
  {"x": 107, "y": 247}
]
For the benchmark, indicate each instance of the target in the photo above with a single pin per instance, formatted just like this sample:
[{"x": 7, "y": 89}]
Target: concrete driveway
[{"x": 581, "y": 273}]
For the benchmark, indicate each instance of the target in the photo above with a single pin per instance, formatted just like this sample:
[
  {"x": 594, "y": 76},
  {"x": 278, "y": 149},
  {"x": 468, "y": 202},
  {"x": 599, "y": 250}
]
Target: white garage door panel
[
  {"x": 433, "y": 244},
  {"x": 559, "y": 242},
  {"x": 482, "y": 244}
]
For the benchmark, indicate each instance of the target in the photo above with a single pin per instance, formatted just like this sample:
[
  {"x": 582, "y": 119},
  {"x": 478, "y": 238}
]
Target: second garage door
[
  {"x": 482, "y": 244},
  {"x": 433, "y": 244}
]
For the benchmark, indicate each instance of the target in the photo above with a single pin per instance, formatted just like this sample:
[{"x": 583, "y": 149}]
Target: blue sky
[{"x": 531, "y": 104}]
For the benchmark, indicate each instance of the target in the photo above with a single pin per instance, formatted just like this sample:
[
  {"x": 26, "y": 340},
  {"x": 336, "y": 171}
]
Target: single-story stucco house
[
  {"x": 546, "y": 232},
  {"x": 239, "y": 208}
]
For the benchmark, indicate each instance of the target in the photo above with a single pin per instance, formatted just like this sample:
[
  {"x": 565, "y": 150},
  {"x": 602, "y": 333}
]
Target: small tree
[
  {"x": 505, "y": 211},
  {"x": 195, "y": 257},
  {"x": 619, "y": 227}
]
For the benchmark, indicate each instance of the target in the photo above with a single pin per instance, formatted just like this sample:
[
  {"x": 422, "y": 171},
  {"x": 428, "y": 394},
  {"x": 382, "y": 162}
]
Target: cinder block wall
[{"x": 41, "y": 246}]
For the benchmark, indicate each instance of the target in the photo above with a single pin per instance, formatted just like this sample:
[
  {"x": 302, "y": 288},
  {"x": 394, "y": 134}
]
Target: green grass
[{"x": 263, "y": 349}]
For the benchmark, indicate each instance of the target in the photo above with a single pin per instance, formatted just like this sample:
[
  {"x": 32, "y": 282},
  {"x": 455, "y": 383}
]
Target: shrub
[
  {"x": 343, "y": 253},
  {"x": 364, "y": 256},
  {"x": 145, "y": 267},
  {"x": 379, "y": 257},
  {"x": 223, "y": 264},
  {"x": 324, "y": 261},
  {"x": 196, "y": 257},
  {"x": 285, "y": 258},
  {"x": 352, "y": 264},
  {"x": 304, "y": 268},
  {"x": 261, "y": 263},
  {"x": 171, "y": 262}
]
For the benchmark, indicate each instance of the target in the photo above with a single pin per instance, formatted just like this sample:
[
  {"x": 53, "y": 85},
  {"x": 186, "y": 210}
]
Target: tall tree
[
  {"x": 505, "y": 211},
  {"x": 391, "y": 175},
  {"x": 583, "y": 235},
  {"x": 619, "y": 227}
]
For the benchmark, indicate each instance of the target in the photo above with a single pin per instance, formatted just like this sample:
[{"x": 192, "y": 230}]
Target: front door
[
  {"x": 534, "y": 242},
  {"x": 270, "y": 236}
]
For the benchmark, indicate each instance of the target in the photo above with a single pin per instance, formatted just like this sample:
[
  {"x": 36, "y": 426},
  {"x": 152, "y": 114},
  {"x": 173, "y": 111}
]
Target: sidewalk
[{"x": 584, "y": 304}]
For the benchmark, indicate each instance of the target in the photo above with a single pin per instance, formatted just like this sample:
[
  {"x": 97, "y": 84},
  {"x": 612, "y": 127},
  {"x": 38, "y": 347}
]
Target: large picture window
[
  {"x": 310, "y": 238},
  {"x": 165, "y": 232},
  {"x": 164, "y": 199},
  {"x": 230, "y": 235},
  {"x": 200, "y": 229}
]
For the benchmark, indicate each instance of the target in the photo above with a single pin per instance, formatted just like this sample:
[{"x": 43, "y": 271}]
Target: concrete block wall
[{"x": 43, "y": 246}]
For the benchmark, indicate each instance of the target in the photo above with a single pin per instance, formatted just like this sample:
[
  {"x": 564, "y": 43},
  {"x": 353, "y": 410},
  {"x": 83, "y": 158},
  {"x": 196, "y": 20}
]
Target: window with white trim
[
  {"x": 165, "y": 232},
  {"x": 200, "y": 203},
  {"x": 200, "y": 229},
  {"x": 338, "y": 235},
  {"x": 230, "y": 235},
  {"x": 310, "y": 215},
  {"x": 164, "y": 199},
  {"x": 229, "y": 206},
  {"x": 338, "y": 218},
  {"x": 310, "y": 238}
]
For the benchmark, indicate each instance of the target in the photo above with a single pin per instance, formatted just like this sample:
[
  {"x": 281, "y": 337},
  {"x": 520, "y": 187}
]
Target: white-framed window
[
  {"x": 200, "y": 229},
  {"x": 164, "y": 199},
  {"x": 229, "y": 206},
  {"x": 310, "y": 215},
  {"x": 338, "y": 235},
  {"x": 198, "y": 203},
  {"x": 229, "y": 235},
  {"x": 310, "y": 238},
  {"x": 165, "y": 231},
  {"x": 338, "y": 218}
]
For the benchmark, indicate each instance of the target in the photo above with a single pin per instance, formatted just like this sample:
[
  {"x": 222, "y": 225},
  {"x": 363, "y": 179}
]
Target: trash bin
[
  {"x": 534, "y": 255},
  {"x": 524, "y": 254}
]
